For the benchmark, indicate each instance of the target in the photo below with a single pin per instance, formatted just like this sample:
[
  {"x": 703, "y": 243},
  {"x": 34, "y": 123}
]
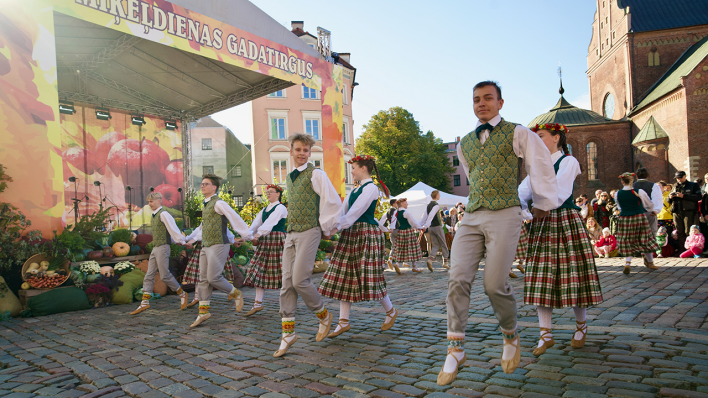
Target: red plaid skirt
[
  {"x": 560, "y": 267},
  {"x": 266, "y": 264},
  {"x": 356, "y": 271},
  {"x": 407, "y": 249},
  {"x": 523, "y": 246},
  {"x": 634, "y": 236}
]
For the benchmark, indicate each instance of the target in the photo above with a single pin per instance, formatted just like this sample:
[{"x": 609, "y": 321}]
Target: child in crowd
[
  {"x": 606, "y": 244},
  {"x": 694, "y": 243},
  {"x": 662, "y": 238}
]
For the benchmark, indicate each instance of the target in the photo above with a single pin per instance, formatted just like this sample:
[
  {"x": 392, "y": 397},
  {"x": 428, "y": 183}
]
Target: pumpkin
[
  {"x": 107, "y": 251},
  {"x": 134, "y": 250},
  {"x": 95, "y": 255},
  {"x": 121, "y": 249},
  {"x": 107, "y": 270}
]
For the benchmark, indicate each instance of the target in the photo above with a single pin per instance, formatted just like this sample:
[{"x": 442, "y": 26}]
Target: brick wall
[
  {"x": 610, "y": 77},
  {"x": 696, "y": 87}
]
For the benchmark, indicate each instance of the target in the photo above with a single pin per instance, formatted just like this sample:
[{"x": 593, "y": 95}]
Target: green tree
[{"x": 404, "y": 155}]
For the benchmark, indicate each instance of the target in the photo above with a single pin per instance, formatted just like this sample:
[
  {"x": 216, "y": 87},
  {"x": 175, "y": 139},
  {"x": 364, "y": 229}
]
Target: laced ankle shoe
[
  {"x": 194, "y": 302},
  {"x": 140, "y": 309},
  {"x": 510, "y": 365},
  {"x": 626, "y": 267},
  {"x": 393, "y": 314},
  {"x": 279, "y": 352},
  {"x": 256, "y": 308},
  {"x": 445, "y": 378},
  {"x": 430, "y": 265},
  {"x": 327, "y": 323},
  {"x": 650, "y": 264},
  {"x": 398, "y": 270},
  {"x": 548, "y": 342},
  {"x": 343, "y": 326},
  {"x": 200, "y": 318},
  {"x": 581, "y": 327},
  {"x": 237, "y": 296},
  {"x": 183, "y": 301}
]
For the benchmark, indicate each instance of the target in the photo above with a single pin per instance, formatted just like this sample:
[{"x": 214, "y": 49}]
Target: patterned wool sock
[
  {"x": 322, "y": 316},
  {"x": 456, "y": 350},
  {"x": 204, "y": 307},
  {"x": 288, "y": 332},
  {"x": 146, "y": 299},
  {"x": 179, "y": 291}
]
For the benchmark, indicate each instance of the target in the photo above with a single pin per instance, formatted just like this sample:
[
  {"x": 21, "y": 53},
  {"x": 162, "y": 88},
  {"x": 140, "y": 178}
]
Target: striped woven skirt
[
  {"x": 407, "y": 247},
  {"x": 265, "y": 267},
  {"x": 356, "y": 270},
  {"x": 560, "y": 267},
  {"x": 523, "y": 246},
  {"x": 634, "y": 236},
  {"x": 191, "y": 273}
]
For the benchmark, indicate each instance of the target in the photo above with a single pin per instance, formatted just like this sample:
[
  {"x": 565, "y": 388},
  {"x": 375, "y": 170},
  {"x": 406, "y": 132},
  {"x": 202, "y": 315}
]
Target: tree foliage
[{"x": 404, "y": 155}]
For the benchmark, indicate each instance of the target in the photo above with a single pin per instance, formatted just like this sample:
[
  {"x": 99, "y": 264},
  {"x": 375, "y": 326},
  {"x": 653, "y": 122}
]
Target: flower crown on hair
[
  {"x": 627, "y": 174},
  {"x": 550, "y": 127},
  {"x": 276, "y": 187},
  {"x": 362, "y": 158}
]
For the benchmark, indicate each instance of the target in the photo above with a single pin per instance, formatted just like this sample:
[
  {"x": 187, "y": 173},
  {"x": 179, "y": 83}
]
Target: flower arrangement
[
  {"x": 123, "y": 267},
  {"x": 98, "y": 294},
  {"x": 550, "y": 127},
  {"x": 627, "y": 174},
  {"x": 90, "y": 267},
  {"x": 361, "y": 158}
]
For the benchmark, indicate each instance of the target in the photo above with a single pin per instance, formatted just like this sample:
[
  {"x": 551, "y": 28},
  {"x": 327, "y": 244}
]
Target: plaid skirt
[
  {"x": 407, "y": 248},
  {"x": 560, "y": 267},
  {"x": 523, "y": 246},
  {"x": 634, "y": 236},
  {"x": 356, "y": 270},
  {"x": 266, "y": 264},
  {"x": 191, "y": 273}
]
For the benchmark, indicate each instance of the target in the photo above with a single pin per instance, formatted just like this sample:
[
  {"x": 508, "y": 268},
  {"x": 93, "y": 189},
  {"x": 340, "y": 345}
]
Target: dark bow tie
[{"x": 485, "y": 126}]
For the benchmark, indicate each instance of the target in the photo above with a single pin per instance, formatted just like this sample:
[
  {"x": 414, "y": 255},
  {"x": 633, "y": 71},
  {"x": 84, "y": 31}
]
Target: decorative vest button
[
  {"x": 481, "y": 179},
  {"x": 482, "y": 164}
]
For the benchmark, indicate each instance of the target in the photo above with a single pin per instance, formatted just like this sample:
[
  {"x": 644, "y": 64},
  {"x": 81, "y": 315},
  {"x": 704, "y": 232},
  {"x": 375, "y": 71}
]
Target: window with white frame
[
  {"x": 277, "y": 94},
  {"x": 312, "y": 124},
  {"x": 238, "y": 199},
  {"x": 317, "y": 159},
  {"x": 344, "y": 94},
  {"x": 310, "y": 93},
  {"x": 347, "y": 173},
  {"x": 279, "y": 172},
  {"x": 278, "y": 124},
  {"x": 236, "y": 171},
  {"x": 206, "y": 144},
  {"x": 207, "y": 170},
  {"x": 345, "y": 131}
]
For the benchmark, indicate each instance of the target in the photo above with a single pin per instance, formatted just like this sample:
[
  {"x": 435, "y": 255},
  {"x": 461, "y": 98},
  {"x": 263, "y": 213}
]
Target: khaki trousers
[
  {"x": 497, "y": 231},
  {"x": 437, "y": 242},
  {"x": 212, "y": 260},
  {"x": 159, "y": 261},
  {"x": 392, "y": 236},
  {"x": 299, "y": 254}
]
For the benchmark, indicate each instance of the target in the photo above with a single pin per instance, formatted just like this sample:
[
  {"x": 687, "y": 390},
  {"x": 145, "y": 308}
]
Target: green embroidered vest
[
  {"x": 494, "y": 169},
  {"x": 369, "y": 216},
  {"x": 280, "y": 226},
  {"x": 213, "y": 225},
  {"x": 303, "y": 202},
  {"x": 630, "y": 203},
  {"x": 403, "y": 224},
  {"x": 160, "y": 235},
  {"x": 569, "y": 203}
]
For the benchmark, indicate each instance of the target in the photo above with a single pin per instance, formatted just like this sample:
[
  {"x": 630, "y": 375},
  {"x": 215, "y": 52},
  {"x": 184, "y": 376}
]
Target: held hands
[
  {"x": 189, "y": 245},
  {"x": 538, "y": 213},
  {"x": 239, "y": 242}
]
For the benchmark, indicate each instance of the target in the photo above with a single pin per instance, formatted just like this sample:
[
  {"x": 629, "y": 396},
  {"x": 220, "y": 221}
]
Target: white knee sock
[
  {"x": 260, "y": 292},
  {"x": 580, "y": 316},
  {"x": 344, "y": 309},
  {"x": 386, "y": 303},
  {"x": 451, "y": 361},
  {"x": 544, "y": 321},
  {"x": 628, "y": 259},
  {"x": 649, "y": 257}
]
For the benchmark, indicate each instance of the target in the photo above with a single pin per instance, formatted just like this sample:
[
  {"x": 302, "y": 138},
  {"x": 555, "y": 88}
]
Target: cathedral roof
[
  {"x": 650, "y": 15},
  {"x": 565, "y": 113},
  {"x": 672, "y": 78},
  {"x": 651, "y": 131}
]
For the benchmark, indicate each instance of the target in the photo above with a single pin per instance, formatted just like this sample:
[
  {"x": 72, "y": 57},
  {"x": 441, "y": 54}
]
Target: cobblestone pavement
[{"x": 649, "y": 338}]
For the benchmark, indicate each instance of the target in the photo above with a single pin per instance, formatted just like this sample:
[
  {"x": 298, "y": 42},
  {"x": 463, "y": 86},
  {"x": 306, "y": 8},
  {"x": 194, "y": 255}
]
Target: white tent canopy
[{"x": 419, "y": 197}]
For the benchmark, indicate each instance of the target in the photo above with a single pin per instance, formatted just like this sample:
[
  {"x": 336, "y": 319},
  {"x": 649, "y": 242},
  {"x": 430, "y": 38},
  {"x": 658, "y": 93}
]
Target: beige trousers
[
  {"x": 497, "y": 231},
  {"x": 212, "y": 260},
  {"x": 159, "y": 261},
  {"x": 437, "y": 242},
  {"x": 299, "y": 254}
]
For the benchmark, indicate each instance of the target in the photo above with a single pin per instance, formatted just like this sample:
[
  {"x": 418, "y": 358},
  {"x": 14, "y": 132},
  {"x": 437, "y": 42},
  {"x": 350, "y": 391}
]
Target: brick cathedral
[{"x": 648, "y": 76}]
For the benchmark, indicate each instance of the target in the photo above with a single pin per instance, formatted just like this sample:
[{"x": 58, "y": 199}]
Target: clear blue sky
[{"x": 426, "y": 56}]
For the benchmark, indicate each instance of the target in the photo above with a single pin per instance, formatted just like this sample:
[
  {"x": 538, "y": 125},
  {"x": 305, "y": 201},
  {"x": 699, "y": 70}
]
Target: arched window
[
  {"x": 592, "y": 161},
  {"x": 654, "y": 59}
]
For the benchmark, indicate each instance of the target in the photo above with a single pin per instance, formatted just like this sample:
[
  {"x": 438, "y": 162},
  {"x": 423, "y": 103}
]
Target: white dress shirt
[
  {"x": 568, "y": 169},
  {"x": 647, "y": 203},
  {"x": 330, "y": 202},
  {"x": 414, "y": 223},
  {"x": 169, "y": 222},
  {"x": 537, "y": 161},
  {"x": 368, "y": 194},
  {"x": 435, "y": 210},
  {"x": 237, "y": 223},
  {"x": 264, "y": 228},
  {"x": 657, "y": 199},
  {"x": 392, "y": 224}
]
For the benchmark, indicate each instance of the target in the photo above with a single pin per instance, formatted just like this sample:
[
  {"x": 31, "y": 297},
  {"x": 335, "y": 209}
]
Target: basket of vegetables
[{"x": 39, "y": 273}]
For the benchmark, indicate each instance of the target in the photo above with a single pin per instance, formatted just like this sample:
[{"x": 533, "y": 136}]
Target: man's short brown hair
[
  {"x": 304, "y": 138},
  {"x": 154, "y": 196},
  {"x": 216, "y": 180},
  {"x": 435, "y": 194}
]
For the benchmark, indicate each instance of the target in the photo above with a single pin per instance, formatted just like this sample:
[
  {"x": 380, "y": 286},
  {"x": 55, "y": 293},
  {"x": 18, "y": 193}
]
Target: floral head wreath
[
  {"x": 550, "y": 127},
  {"x": 361, "y": 158},
  {"x": 276, "y": 187},
  {"x": 627, "y": 174}
]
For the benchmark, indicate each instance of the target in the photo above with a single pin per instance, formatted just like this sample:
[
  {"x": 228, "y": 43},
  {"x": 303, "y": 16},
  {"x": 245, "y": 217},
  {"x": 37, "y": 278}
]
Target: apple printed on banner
[
  {"x": 132, "y": 159},
  {"x": 170, "y": 196},
  {"x": 76, "y": 156},
  {"x": 104, "y": 145},
  {"x": 174, "y": 174}
]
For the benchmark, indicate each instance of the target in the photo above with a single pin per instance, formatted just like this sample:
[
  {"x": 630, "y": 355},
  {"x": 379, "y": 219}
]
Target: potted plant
[
  {"x": 98, "y": 294},
  {"x": 91, "y": 269},
  {"x": 123, "y": 268}
]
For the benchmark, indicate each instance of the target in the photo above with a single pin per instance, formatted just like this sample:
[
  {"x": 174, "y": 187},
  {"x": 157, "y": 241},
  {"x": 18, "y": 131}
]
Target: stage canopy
[{"x": 419, "y": 197}]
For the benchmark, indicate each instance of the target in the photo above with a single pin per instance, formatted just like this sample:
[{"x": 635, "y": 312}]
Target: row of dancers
[{"x": 560, "y": 267}]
